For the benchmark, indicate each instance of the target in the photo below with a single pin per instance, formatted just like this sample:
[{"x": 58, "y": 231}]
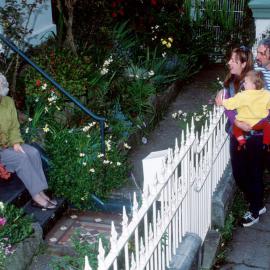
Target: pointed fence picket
[{"x": 178, "y": 201}]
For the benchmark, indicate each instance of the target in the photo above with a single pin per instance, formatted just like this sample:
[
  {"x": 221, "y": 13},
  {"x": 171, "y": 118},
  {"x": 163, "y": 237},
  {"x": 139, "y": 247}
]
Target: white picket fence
[{"x": 178, "y": 201}]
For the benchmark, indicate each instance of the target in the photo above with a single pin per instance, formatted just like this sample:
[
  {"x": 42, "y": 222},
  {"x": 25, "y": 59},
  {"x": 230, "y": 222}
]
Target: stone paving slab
[{"x": 240, "y": 267}]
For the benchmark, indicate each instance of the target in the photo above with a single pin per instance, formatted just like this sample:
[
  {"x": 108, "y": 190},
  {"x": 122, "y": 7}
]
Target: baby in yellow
[{"x": 252, "y": 107}]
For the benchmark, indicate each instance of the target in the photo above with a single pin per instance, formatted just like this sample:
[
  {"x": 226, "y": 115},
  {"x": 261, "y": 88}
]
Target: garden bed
[
  {"x": 121, "y": 70},
  {"x": 160, "y": 102},
  {"x": 19, "y": 237}
]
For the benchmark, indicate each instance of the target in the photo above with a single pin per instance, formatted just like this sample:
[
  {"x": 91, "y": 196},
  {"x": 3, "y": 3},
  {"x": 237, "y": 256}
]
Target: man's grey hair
[
  {"x": 265, "y": 42},
  {"x": 3, "y": 85}
]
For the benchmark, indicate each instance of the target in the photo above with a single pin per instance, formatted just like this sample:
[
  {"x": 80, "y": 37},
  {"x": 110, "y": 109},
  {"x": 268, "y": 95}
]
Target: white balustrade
[
  {"x": 87, "y": 265},
  {"x": 176, "y": 199}
]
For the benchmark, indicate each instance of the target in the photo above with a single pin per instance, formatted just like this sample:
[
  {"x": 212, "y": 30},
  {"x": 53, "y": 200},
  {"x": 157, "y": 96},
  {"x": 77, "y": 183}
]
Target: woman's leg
[
  {"x": 247, "y": 167},
  {"x": 36, "y": 162},
  {"x": 255, "y": 171},
  {"x": 239, "y": 165},
  {"x": 23, "y": 165}
]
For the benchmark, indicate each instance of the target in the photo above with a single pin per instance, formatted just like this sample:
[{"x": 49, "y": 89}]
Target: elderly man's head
[
  {"x": 263, "y": 53},
  {"x": 3, "y": 85}
]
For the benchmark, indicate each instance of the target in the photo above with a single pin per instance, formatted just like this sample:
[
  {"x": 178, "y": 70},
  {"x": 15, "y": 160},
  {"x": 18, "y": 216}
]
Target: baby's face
[{"x": 248, "y": 84}]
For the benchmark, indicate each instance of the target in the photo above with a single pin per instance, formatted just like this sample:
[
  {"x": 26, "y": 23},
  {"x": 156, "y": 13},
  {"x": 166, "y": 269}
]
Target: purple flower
[{"x": 2, "y": 221}]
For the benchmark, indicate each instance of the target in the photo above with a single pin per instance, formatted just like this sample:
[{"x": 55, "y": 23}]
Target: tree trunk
[
  {"x": 14, "y": 77},
  {"x": 69, "y": 41},
  {"x": 68, "y": 21}
]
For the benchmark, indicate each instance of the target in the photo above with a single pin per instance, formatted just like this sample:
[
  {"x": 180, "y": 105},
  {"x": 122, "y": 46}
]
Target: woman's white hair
[{"x": 3, "y": 85}]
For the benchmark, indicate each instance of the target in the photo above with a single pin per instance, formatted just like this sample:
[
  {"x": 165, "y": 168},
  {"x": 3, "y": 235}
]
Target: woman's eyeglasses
[{"x": 244, "y": 48}]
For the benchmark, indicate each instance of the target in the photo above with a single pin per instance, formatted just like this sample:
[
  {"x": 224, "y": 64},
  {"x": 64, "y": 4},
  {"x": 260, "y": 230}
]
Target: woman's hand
[
  {"x": 219, "y": 98},
  {"x": 242, "y": 125},
  {"x": 18, "y": 148}
]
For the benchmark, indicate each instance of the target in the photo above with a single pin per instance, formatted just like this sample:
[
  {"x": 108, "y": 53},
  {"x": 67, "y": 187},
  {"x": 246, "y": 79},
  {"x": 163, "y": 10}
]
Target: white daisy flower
[
  {"x": 127, "y": 146},
  {"x": 46, "y": 128}
]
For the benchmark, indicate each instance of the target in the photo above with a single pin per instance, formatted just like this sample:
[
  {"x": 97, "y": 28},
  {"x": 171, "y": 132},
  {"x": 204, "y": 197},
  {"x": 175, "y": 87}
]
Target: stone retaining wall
[
  {"x": 191, "y": 255},
  {"x": 25, "y": 250}
]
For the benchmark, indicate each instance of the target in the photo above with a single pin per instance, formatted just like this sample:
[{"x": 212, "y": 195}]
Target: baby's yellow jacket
[{"x": 251, "y": 105}]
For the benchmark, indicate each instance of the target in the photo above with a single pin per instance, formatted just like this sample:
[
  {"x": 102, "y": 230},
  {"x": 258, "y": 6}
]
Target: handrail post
[{"x": 102, "y": 136}]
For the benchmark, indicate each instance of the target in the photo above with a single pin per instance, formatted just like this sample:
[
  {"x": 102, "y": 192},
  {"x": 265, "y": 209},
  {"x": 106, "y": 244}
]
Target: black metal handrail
[{"x": 99, "y": 119}]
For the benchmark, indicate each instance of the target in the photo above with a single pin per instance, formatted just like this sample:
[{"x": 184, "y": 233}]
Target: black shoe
[
  {"x": 47, "y": 206},
  {"x": 249, "y": 219},
  {"x": 52, "y": 201}
]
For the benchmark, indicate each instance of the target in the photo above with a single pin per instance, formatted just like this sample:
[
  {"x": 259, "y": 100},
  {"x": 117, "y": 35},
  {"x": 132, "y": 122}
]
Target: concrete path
[
  {"x": 190, "y": 99},
  {"x": 250, "y": 247}
]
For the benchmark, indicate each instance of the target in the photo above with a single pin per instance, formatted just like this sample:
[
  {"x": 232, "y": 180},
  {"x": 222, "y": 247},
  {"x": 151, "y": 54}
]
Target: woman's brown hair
[{"x": 244, "y": 55}]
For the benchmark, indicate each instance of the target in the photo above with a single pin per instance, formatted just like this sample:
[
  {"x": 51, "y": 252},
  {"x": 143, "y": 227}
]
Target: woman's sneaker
[
  {"x": 261, "y": 212},
  {"x": 248, "y": 220}
]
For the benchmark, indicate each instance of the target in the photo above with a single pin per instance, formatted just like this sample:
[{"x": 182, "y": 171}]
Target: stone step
[
  {"x": 45, "y": 217},
  {"x": 13, "y": 191}
]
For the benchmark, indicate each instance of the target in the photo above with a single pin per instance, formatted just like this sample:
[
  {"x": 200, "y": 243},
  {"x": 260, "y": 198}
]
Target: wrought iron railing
[{"x": 99, "y": 119}]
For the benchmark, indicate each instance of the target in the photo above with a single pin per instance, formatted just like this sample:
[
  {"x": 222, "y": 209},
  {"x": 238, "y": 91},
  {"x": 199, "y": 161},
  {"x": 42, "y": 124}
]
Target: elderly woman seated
[{"x": 17, "y": 156}]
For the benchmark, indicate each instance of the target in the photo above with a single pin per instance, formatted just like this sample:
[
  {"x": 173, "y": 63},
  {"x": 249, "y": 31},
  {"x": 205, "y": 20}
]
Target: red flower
[
  {"x": 181, "y": 11},
  {"x": 113, "y": 4},
  {"x": 4, "y": 174},
  {"x": 53, "y": 91},
  {"x": 121, "y": 11},
  {"x": 153, "y": 2},
  {"x": 114, "y": 14},
  {"x": 38, "y": 83},
  {"x": 52, "y": 53}
]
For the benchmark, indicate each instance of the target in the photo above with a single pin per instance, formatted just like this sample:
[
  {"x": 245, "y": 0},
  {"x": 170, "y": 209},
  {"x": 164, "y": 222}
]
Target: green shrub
[
  {"x": 82, "y": 248},
  {"x": 77, "y": 74},
  {"x": 18, "y": 226},
  {"x": 15, "y": 226},
  {"x": 78, "y": 169}
]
